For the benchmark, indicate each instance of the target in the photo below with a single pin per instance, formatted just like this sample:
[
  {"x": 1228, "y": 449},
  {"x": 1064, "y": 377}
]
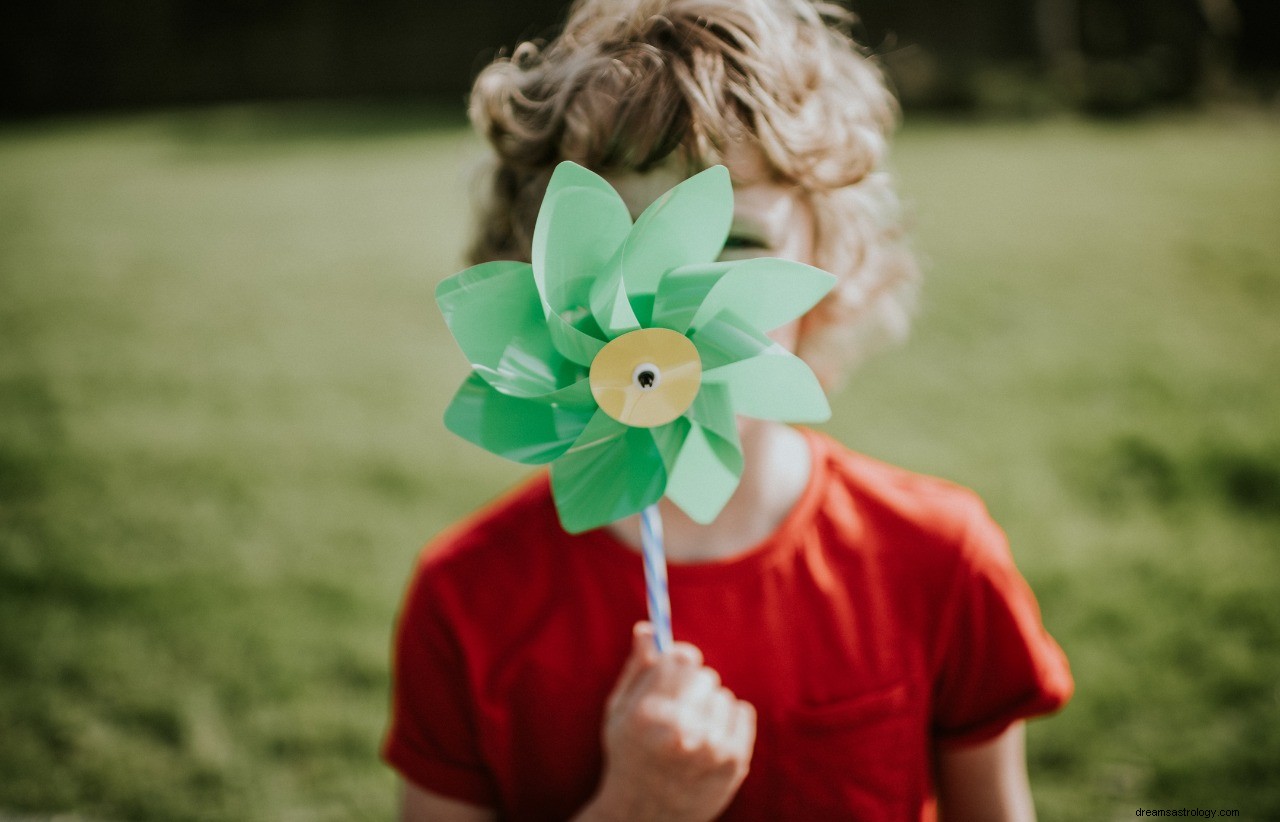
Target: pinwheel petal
[
  {"x": 493, "y": 311},
  {"x": 521, "y": 430},
  {"x": 612, "y": 471},
  {"x": 702, "y": 455},
  {"x": 686, "y": 226},
  {"x": 582, "y": 231},
  {"x": 670, "y": 438},
  {"x": 567, "y": 175},
  {"x": 681, "y": 291},
  {"x": 573, "y": 344},
  {"x": 773, "y": 385},
  {"x": 713, "y": 410},
  {"x": 576, "y": 396},
  {"x": 764, "y": 292},
  {"x": 725, "y": 339},
  {"x": 705, "y": 474},
  {"x": 609, "y": 304}
]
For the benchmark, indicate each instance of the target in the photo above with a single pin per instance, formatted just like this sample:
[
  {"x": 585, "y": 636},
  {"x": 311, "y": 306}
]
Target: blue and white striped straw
[{"x": 655, "y": 577}]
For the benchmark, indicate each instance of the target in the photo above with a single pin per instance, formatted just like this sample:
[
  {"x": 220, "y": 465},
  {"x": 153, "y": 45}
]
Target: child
[{"x": 855, "y": 642}]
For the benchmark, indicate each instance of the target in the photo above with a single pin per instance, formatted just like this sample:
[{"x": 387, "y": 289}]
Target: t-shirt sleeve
[
  {"x": 997, "y": 663},
  {"x": 432, "y": 739}
]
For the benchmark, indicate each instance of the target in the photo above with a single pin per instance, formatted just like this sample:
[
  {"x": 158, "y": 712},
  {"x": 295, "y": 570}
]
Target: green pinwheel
[{"x": 622, "y": 354}]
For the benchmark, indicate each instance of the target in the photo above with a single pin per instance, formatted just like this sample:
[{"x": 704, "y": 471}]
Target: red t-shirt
[{"x": 883, "y": 617}]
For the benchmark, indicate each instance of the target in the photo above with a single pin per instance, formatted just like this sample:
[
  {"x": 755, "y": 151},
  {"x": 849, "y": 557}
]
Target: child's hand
[{"x": 677, "y": 743}]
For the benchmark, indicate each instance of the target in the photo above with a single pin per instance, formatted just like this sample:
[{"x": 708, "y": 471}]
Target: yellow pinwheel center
[{"x": 646, "y": 378}]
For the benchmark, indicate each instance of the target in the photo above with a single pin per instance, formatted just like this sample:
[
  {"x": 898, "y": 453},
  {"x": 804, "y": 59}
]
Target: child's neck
[{"x": 774, "y": 476}]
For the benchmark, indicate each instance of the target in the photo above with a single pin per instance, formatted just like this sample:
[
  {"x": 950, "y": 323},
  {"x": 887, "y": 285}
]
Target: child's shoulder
[
  {"x": 911, "y": 508},
  {"x": 524, "y": 516}
]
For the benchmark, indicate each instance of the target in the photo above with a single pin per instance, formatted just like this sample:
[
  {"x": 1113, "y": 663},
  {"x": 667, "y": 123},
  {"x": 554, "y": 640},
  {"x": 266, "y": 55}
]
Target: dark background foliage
[{"x": 1100, "y": 55}]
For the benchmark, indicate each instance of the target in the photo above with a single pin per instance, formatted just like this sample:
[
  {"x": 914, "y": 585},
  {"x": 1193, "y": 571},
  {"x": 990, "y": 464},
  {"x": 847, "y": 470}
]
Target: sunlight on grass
[{"x": 222, "y": 378}]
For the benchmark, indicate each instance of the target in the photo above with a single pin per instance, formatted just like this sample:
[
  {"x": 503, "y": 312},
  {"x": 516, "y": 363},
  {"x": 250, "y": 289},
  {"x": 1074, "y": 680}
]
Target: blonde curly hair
[{"x": 629, "y": 84}]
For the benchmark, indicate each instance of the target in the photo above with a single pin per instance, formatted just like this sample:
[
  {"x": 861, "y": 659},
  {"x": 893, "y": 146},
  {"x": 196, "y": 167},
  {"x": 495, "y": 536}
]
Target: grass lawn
[{"x": 221, "y": 383}]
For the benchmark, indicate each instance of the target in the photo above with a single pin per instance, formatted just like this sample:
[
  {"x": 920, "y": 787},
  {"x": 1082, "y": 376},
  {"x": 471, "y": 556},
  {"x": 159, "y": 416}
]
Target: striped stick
[{"x": 655, "y": 577}]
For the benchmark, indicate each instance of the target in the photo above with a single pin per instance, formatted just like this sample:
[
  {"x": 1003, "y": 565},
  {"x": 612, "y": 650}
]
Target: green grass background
[{"x": 221, "y": 383}]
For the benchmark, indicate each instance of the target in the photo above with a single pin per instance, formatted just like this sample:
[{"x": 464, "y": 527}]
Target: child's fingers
[
  {"x": 696, "y": 697},
  {"x": 717, "y": 718},
  {"x": 687, "y": 654},
  {"x": 742, "y": 728}
]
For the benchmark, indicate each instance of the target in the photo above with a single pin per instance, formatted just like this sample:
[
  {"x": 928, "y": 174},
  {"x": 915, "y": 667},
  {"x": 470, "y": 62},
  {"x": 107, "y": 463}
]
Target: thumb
[
  {"x": 643, "y": 654},
  {"x": 643, "y": 646}
]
